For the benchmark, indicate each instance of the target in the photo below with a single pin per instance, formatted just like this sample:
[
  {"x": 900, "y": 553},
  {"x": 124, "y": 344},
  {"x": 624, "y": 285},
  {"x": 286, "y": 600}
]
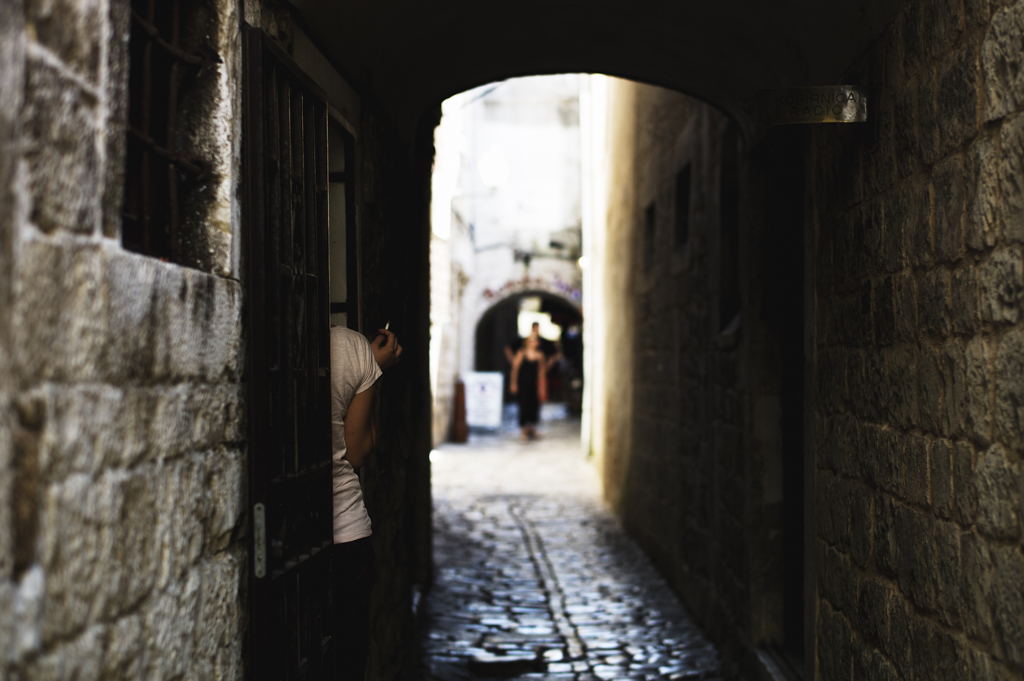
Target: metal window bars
[
  {"x": 155, "y": 166},
  {"x": 285, "y": 213}
]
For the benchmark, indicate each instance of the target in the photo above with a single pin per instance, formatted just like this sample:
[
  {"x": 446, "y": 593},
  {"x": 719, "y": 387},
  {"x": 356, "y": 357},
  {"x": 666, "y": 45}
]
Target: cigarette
[{"x": 388, "y": 325}]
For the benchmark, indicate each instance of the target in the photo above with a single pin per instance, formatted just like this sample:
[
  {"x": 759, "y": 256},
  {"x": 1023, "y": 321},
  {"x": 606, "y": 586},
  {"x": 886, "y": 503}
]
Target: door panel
[{"x": 287, "y": 315}]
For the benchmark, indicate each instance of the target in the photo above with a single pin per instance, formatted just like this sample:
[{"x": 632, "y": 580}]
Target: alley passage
[{"x": 536, "y": 580}]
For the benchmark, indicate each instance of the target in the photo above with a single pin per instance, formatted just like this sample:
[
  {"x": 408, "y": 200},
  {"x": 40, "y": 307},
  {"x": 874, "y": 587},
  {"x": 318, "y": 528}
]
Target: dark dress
[{"x": 529, "y": 401}]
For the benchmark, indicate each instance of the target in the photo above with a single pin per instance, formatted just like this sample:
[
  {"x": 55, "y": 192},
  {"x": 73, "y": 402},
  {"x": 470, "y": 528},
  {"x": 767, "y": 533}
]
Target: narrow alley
[
  {"x": 769, "y": 256},
  {"x": 535, "y": 579}
]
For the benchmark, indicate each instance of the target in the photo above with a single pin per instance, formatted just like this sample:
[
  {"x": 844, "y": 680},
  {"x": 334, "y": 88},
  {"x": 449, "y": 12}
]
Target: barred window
[{"x": 161, "y": 174}]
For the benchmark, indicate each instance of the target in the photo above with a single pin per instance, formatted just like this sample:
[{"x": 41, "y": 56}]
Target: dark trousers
[{"x": 354, "y": 568}]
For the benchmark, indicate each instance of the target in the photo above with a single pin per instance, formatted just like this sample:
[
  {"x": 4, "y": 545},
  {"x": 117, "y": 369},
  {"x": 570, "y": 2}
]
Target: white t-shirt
[{"x": 353, "y": 370}]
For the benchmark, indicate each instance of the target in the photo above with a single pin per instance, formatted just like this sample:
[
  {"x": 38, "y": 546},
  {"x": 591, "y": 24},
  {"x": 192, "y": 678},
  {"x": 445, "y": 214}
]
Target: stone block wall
[
  {"x": 395, "y": 231},
  {"x": 914, "y": 343},
  {"x": 123, "y": 458},
  {"x": 918, "y": 355},
  {"x": 691, "y": 449},
  {"x": 122, "y": 429},
  {"x": 685, "y": 437}
]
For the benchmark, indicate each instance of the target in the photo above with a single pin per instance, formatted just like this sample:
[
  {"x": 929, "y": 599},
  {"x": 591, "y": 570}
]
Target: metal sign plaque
[{"x": 802, "y": 105}]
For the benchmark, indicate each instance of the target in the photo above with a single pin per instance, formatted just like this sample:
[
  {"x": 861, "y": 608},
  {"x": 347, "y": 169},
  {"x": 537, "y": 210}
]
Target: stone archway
[
  {"x": 496, "y": 328},
  {"x": 927, "y": 76},
  {"x": 568, "y": 292},
  {"x": 412, "y": 55},
  {"x": 492, "y": 301}
]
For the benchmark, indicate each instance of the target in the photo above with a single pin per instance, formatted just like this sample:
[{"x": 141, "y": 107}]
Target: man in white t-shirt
[{"x": 356, "y": 364}]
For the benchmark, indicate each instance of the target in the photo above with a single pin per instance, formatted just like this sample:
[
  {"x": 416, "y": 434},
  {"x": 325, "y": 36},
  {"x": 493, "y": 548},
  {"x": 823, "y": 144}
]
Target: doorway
[{"x": 779, "y": 160}]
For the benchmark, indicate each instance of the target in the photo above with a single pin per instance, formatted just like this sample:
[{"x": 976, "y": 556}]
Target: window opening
[
  {"x": 158, "y": 173},
  {"x": 649, "y": 238},
  {"x": 682, "y": 206},
  {"x": 342, "y": 227}
]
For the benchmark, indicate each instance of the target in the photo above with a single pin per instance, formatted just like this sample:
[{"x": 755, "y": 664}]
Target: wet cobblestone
[{"x": 536, "y": 580}]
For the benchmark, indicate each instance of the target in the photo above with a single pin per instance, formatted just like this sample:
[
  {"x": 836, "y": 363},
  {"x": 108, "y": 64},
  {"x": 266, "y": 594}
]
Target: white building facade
[{"x": 506, "y": 213}]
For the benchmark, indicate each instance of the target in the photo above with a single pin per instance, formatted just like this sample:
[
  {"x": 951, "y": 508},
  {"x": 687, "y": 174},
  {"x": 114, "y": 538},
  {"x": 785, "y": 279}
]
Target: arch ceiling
[{"x": 412, "y": 54}]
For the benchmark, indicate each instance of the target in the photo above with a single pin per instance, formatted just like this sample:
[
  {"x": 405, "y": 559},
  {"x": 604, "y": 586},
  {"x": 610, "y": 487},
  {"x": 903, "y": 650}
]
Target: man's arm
[
  {"x": 386, "y": 350},
  {"x": 360, "y": 430}
]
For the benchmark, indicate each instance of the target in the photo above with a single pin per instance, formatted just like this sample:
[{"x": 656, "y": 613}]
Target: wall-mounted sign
[{"x": 829, "y": 104}]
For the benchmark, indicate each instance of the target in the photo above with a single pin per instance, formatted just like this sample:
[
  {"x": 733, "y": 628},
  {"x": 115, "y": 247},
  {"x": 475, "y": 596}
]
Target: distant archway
[
  {"x": 550, "y": 287},
  {"x": 497, "y": 331}
]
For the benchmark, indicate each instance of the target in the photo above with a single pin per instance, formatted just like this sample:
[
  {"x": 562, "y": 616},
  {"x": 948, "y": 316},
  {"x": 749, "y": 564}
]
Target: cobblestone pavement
[{"x": 536, "y": 580}]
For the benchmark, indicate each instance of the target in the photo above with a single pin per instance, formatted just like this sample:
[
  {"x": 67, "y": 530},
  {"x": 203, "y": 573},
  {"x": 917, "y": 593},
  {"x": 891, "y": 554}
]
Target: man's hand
[{"x": 386, "y": 349}]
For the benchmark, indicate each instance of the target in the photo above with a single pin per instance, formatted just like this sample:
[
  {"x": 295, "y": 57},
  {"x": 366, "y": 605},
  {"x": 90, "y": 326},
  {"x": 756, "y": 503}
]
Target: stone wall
[
  {"x": 668, "y": 490},
  {"x": 910, "y": 433},
  {"x": 122, "y": 415},
  {"x": 690, "y": 448},
  {"x": 395, "y": 233},
  {"x": 122, "y": 427},
  {"x": 918, "y": 352},
  {"x": 12, "y": 72},
  {"x": 613, "y": 406}
]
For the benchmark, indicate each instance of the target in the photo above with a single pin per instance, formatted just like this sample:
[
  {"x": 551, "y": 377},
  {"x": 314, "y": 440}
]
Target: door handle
[{"x": 259, "y": 518}]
